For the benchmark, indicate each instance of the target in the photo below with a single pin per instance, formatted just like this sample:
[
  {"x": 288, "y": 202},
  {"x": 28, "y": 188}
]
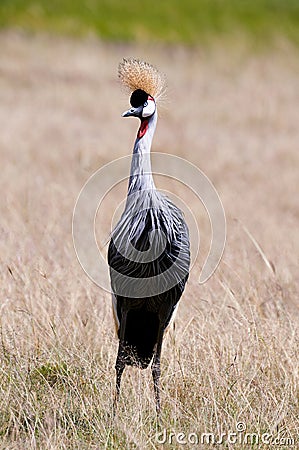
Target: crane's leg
[
  {"x": 119, "y": 367},
  {"x": 120, "y": 360},
  {"x": 156, "y": 371}
]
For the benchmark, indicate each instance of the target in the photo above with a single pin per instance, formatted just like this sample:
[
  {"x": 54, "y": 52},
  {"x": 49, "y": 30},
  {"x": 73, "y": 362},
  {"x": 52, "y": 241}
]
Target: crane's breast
[{"x": 149, "y": 244}]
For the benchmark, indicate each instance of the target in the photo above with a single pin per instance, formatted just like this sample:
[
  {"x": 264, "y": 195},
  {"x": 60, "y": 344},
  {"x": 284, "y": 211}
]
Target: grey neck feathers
[{"x": 141, "y": 172}]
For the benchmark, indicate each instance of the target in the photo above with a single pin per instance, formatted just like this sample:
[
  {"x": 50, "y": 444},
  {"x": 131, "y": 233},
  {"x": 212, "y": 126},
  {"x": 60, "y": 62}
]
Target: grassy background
[
  {"x": 234, "y": 353},
  {"x": 233, "y": 356},
  {"x": 188, "y": 21}
]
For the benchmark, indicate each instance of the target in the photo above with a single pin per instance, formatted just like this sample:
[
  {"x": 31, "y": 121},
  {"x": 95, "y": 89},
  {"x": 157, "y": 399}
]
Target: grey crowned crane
[{"x": 149, "y": 254}]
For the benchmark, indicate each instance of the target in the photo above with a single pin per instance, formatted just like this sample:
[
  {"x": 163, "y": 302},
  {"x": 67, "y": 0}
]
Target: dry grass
[{"x": 234, "y": 354}]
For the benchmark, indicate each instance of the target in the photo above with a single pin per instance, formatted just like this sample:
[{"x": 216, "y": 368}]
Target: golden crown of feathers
[{"x": 137, "y": 74}]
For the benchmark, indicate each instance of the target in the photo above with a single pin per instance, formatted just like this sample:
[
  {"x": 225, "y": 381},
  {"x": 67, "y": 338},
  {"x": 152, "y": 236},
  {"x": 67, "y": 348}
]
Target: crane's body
[{"x": 148, "y": 255}]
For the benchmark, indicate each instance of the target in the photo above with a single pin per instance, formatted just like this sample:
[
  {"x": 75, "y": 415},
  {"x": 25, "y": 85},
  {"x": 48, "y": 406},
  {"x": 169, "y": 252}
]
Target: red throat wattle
[{"x": 143, "y": 128}]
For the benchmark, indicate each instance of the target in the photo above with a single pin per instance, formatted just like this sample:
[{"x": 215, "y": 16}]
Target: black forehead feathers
[{"x": 138, "y": 98}]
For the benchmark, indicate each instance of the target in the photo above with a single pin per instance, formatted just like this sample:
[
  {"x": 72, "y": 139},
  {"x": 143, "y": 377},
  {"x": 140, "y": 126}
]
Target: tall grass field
[{"x": 230, "y": 364}]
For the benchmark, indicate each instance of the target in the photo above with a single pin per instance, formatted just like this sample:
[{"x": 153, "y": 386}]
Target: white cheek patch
[{"x": 149, "y": 109}]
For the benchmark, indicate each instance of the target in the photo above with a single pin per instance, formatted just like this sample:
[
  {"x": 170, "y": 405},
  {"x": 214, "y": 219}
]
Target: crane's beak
[{"x": 135, "y": 112}]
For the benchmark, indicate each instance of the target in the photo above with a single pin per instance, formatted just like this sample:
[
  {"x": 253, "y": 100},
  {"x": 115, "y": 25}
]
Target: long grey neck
[{"x": 141, "y": 172}]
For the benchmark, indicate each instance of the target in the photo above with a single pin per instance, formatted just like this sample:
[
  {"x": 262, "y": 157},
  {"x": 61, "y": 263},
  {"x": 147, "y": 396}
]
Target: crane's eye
[{"x": 149, "y": 107}]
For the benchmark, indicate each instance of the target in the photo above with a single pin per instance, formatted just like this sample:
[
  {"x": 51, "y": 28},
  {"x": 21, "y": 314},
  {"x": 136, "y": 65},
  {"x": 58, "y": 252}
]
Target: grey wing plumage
[{"x": 151, "y": 229}]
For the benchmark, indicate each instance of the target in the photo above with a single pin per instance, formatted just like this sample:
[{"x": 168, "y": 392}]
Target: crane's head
[
  {"x": 143, "y": 105},
  {"x": 145, "y": 82}
]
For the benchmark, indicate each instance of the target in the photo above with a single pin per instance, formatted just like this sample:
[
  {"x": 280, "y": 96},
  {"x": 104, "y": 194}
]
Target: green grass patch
[{"x": 170, "y": 21}]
